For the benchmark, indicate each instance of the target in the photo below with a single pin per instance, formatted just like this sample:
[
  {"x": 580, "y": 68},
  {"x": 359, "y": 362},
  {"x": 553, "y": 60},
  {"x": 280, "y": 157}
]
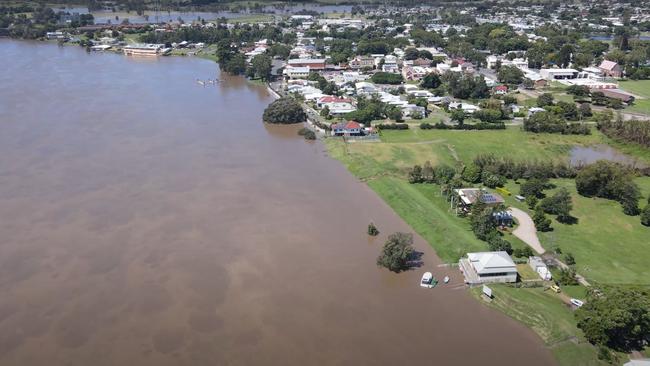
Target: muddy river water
[{"x": 148, "y": 220}]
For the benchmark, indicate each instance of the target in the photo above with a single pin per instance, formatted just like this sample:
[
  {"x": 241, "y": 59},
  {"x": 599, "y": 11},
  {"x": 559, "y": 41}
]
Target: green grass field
[
  {"x": 448, "y": 145},
  {"x": 538, "y": 309},
  {"x": 609, "y": 246},
  {"x": 422, "y": 207},
  {"x": 551, "y": 319},
  {"x": 640, "y": 88}
]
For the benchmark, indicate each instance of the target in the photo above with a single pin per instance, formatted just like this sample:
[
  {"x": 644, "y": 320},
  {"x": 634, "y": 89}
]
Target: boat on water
[
  {"x": 446, "y": 279},
  {"x": 428, "y": 281}
]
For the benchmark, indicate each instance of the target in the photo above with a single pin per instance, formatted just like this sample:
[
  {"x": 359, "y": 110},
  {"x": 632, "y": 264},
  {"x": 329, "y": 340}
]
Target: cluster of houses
[{"x": 310, "y": 54}]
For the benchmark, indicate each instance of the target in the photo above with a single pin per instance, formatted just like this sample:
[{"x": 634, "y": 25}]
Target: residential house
[
  {"x": 611, "y": 69},
  {"x": 365, "y": 87},
  {"x": 361, "y": 62},
  {"x": 466, "y": 107},
  {"x": 464, "y": 198},
  {"x": 409, "y": 110},
  {"x": 337, "y": 106},
  {"x": 500, "y": 90},
  {"x": 349, "y": 128},
  {"x": 390, "y": 64},
  {"x": 534, "y": 110},
  {"x": 414, "y": 72},
  {"x": 488, "y": 267},
  {"x": 352, "y": 76}
]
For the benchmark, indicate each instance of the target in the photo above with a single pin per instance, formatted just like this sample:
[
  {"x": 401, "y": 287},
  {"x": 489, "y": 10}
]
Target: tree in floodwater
[
  {"x": 372, "y": 230},
  {"x": 285, "y": 110},
  {"x": 397, "y": 252}
]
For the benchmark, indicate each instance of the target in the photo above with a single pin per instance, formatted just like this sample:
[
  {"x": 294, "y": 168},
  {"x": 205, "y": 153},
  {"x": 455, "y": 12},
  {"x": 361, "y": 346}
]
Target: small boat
[
  {"x": 428, "y": 280},
  {"x": 446, "y": 279},
  {"x": 200, "y": 82}
]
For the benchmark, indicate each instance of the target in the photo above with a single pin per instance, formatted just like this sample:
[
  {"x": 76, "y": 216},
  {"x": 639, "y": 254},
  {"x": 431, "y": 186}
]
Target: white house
[
  {"x": 466, "y": 107},
  {"x": 365, "y": 87},
  {"x": 485, "y": 267}
]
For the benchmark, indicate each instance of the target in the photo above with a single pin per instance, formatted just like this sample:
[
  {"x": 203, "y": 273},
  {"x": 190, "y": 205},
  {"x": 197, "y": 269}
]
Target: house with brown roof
[{"x": 611, "y": 69}]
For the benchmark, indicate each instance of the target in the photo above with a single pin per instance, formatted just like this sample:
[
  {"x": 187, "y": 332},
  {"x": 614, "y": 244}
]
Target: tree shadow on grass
[{"x": 569, "y": 220}]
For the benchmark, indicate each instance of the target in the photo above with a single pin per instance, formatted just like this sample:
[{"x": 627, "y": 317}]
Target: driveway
[{"x": 526, "y": 230}]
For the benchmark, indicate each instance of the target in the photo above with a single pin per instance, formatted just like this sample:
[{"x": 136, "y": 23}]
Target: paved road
[{"x": 526, "y": 230}]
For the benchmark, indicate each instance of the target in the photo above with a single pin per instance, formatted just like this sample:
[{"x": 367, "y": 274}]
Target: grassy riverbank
[
  {"x": 609, "y": 246},
  {"x": 549, "y": 317}
]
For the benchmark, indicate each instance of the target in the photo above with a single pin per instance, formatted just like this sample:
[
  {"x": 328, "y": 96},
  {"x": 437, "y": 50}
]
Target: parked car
[
  {"x": 577, "y": 302},
  {"x": 556, "y": 289}
]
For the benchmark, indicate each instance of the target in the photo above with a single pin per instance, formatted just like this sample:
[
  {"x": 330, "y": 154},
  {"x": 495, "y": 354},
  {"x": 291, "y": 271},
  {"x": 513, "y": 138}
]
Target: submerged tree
[
  {"x": 372, "y": 230},
  {"x": 285, "y": 110},
  {"x": 397, "y": 252}
]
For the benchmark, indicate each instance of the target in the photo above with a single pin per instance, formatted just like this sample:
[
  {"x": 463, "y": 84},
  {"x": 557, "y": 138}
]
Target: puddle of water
[{"x": 583, "y": 155}]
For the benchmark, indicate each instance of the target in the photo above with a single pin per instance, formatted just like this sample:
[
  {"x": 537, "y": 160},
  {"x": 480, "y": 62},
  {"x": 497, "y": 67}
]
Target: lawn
[
  {"x": 446, "y": 145},
  {"x": 551, "y": 319},
  {"x": 422, "y": 207},
  {"x": 609, "y": 246},
  {"x": 640, "y": 88}
]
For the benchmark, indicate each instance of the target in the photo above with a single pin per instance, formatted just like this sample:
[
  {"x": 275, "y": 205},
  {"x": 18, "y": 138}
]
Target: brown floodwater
[{"x": 148, "y": 220}]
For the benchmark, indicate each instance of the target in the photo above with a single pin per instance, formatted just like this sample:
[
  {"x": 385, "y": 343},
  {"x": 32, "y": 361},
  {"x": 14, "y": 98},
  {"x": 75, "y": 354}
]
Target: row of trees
[
  {"x": 551, "y": 122},
  {"x": 634, "y": 131},
  {"x": 610, "y": 180}
]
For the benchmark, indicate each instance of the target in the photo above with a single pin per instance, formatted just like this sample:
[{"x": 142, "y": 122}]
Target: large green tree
[
  {"x": 260, "y": 67},
  {"x": 397, "y": 253},
  {"x": 618, "y": 318},
  {"x": 609, "y": 180},
  {"x": 285, "y": 110}
]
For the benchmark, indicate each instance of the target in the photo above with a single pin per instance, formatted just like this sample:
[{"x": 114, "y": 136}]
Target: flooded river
[{"x": 148, "y": 220}]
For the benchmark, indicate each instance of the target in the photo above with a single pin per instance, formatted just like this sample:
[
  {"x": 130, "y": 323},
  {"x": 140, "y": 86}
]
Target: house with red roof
[
  {"x": 329, "y": 99},
  {"x": 500, "y": 90},
  {"x": 611, "y": 69},
  {"x": 349, "y": 128}
]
